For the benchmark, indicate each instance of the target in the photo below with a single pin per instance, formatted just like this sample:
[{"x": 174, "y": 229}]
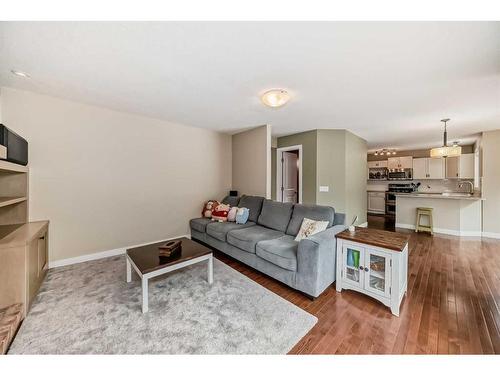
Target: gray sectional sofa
[{"x": 267, "y": 241}]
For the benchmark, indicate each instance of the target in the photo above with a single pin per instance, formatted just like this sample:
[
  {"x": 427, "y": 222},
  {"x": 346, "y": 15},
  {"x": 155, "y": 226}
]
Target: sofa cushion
[
  {"x": 254, "y": 204},
  {"x": 246, "y": 239},
  {"x": 280, "y": 251},
  {"x": 275, "y": 215},
  {"x": 219, "y": 230},
  {"x": 232, "y": 201},
  {"x": 310, "y": 211},
  {"x": 199, "y": 224}
]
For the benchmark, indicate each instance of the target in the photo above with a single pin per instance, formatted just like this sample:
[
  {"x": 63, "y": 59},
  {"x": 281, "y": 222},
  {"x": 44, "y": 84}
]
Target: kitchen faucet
[{"x": 461, "y": 184}]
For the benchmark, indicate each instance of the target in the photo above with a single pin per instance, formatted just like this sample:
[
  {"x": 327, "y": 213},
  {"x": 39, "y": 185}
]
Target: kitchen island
[{"x": 453, "y": 213}]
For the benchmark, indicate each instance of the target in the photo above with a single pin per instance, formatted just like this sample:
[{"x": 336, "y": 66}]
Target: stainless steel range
[{"x": 390, "y": 196}]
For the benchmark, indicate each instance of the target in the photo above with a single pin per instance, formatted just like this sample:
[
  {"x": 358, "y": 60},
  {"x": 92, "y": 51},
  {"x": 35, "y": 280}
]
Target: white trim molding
[
  {"x": 444, "y": 231},
  {"x": 104, "y": 254},
  {"x": 363, "y": 225},
  {"x": 491, "y": 235},
  {"x": 279, "y": 152}
]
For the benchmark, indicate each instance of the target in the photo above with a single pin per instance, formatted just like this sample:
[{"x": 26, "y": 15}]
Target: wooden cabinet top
[
  {"x": 20, "y": 234},
  {"x": 376, "y": 237}
]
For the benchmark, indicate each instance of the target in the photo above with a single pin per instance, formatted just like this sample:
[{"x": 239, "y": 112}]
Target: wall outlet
[{"x": 324, "y": 189}]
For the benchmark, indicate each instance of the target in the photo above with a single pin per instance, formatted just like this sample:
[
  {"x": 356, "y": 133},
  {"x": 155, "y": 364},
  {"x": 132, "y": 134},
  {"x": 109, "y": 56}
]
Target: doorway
[{"x": 289, "y": 174}]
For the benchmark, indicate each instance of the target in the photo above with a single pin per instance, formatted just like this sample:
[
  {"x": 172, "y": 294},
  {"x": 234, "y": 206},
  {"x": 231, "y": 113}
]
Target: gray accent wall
[
  {"x": 342, "y": 167},
  {"x": 309, "y": 150},
  {"x": 335, "y": 158},
  {"x": 356, "y": 164},
  {"x": 331, "y": 153}
]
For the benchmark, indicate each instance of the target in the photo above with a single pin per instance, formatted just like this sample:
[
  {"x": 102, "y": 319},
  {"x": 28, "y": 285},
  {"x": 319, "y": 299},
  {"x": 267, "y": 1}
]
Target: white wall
[
  {"x": 107, "y": 179},
  {"x": 252, "y": 161}
]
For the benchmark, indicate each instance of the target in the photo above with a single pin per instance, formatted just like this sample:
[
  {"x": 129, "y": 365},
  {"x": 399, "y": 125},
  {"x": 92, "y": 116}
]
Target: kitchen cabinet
[
  {"x": 377, "y": 164},
  {"x": 420, "y": 169},
  {"x": 428, "y": 169},
  {"x": 378, "y": 272},
  {"x": 401, "y": 162},
  {"x": 460, "y": 167},
  {"x": 376, "y": 202}
]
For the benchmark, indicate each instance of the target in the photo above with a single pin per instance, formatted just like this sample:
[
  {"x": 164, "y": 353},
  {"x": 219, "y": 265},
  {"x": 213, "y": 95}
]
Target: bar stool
[{"x": 424, "y": 211}]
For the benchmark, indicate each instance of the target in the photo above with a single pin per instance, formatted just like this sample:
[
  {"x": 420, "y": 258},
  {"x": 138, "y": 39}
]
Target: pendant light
[{"x": 446, "y": 151}]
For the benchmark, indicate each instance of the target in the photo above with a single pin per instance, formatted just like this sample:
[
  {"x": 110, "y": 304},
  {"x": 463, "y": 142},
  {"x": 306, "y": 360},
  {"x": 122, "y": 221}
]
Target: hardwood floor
[{"x": 452, "y": 304}]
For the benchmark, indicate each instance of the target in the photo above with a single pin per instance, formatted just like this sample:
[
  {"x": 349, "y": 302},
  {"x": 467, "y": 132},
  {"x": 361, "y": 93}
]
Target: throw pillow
[
  {"x": 220, "y": 212},
  {"x": 208, "y": 207},
  {"x": 231, "y": 216},
  {"x": 310, "y": 227},
  {"x": 242, "y": 215}
]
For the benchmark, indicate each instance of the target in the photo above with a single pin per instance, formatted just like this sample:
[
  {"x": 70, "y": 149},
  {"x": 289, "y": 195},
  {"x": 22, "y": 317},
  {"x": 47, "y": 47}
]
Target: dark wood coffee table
[{"x": 147, "y": 263}]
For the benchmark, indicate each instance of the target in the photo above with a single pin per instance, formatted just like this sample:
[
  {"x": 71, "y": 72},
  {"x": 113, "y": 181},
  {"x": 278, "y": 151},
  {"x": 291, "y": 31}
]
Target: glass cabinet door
[
  {"x": 377, "y": 272},
  {"x": 353, "y": 260}
]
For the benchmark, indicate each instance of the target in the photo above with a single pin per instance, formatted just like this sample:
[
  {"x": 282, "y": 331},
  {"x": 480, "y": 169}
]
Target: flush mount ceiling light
[
  {"x": 20, "y": 74},
  {"x": 275, "y": 98},
  {"x": 446, "y": 151}
]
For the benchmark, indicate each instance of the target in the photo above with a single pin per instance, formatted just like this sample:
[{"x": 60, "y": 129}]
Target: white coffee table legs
[
  {"x": 129, "y": 271},
  {"x": 145, "y": 306},
  {"x": 145, "y": 277},
  {"x": 210, "y": 276}
]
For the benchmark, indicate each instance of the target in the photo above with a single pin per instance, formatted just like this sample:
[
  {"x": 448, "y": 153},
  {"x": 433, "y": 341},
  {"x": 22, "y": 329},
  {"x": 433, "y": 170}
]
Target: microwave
[
  {"x": 15, "y": 145},
  {"x": 400, "y": 174}
]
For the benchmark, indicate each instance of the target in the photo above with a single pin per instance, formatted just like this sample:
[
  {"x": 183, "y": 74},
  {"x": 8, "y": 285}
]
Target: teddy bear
[
  {"x": 208, "y": 208},
  {"x": 220, "y": 213}
]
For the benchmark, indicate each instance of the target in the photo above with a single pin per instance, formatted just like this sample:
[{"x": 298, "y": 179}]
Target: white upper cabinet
[
  {"x": 377, "y": 164},
  {"x": 466, "y": 166},
  {"x": 452, "y": 167},
  {"x": 428, "y": 168},
  {"x": 436, "y": 168},
  {"x": 460, "y": 167},
  {"x": 420, "y": 169},
  {"x": 400, "y": 162},
  {"x": 406, "y": 162}
]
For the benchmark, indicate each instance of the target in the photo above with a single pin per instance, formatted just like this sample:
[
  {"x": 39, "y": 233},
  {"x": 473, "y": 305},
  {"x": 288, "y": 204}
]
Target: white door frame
[{"x": 279, "y": 154}]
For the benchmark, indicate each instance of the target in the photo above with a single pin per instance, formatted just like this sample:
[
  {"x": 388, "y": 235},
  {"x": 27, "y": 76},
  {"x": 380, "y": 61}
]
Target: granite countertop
[{"x": 475, "y": 196}]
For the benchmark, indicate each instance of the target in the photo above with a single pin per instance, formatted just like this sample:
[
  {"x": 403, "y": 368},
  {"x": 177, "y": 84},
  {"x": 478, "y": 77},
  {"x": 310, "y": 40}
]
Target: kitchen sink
[{"x": 456, "y": 194}]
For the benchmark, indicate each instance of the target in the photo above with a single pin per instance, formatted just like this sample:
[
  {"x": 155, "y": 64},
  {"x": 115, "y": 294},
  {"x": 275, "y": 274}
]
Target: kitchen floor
[{"x": 381, "y": 222}]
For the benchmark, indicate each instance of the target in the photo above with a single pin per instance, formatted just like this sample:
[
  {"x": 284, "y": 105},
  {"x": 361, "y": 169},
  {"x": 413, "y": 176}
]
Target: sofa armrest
[{"x": 316, "y": 258}]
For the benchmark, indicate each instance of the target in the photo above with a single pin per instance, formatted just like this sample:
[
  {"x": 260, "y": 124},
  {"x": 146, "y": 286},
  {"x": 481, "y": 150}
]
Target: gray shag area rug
[{"x": 88, "y": 308}]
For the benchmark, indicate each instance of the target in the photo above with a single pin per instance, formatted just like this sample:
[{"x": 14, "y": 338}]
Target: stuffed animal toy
[
  {"x": 208, "y": 207},
  {"x": 242, "y": 215},
  {"x": 231, "y": 216},
  {"x": 220, "y": 213}
]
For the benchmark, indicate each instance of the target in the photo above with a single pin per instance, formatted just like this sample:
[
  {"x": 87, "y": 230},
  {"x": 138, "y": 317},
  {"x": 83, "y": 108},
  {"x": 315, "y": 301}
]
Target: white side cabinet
[{"x": 376, "y": 271}]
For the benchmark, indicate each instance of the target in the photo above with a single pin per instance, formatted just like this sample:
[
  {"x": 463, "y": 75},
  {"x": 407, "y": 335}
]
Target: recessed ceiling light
[
  {"x": 275, "y": 98},
  {"x": 20, "y": 74}
]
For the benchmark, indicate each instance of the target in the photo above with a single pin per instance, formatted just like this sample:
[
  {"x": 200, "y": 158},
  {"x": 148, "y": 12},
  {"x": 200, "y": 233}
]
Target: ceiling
[{"x": 388, "y": 82}]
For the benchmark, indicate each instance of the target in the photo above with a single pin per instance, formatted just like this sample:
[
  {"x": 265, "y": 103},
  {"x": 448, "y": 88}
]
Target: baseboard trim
[
  {"x": 104, "y": 254},
  {"x": 363, "y": 225},
  {"x": 444, "y": 231},
  {"x": 491, "y": 235}
]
